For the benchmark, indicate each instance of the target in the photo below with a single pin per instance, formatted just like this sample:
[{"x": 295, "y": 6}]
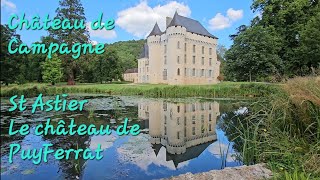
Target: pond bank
[
  {"x": 254, "y": 172},
  {"x": 221, "y": 90}
]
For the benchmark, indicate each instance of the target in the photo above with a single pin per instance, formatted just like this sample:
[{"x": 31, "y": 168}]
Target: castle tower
[
  {"x": 176, "y": 42},
  {"x": 154, "y": 44}
]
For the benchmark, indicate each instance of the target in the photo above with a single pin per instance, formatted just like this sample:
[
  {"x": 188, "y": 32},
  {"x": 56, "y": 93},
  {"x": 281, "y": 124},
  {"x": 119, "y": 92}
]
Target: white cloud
[
  {"x": 101, "y": 33},
  {"x": 235, "y": 15},
  {"x": 140, "y": 19},
  {"x": 93, "y": 42},
  {"x": 220, "y": 21},
  {"x": 8, "y": 5},
  {"x": 138, "y": 151}
]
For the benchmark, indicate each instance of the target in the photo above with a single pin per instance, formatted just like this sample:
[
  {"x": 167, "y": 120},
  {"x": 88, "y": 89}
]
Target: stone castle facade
[{"x": 184, "y": 54}]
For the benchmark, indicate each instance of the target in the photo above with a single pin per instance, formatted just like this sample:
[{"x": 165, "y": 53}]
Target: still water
[{"x": 177, "y": 136}]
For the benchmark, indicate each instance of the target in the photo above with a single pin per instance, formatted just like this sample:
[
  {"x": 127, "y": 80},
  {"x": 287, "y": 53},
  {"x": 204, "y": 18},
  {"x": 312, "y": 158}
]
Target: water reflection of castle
[{"x": 184, "y": 129}]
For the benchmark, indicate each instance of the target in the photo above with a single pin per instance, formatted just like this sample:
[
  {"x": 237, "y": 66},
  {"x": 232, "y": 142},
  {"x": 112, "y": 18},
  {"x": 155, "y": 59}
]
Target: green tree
[
  {"x": 51, "y": 70},
  {"x": 254, "y": 55},
  {"x": 309, "y": 50},
  {"x": 106, "y": 67},
  {"x": 73, "y": 11},
  {"x": 11, "y": 64},
  {"x": 289, "y": 18}
]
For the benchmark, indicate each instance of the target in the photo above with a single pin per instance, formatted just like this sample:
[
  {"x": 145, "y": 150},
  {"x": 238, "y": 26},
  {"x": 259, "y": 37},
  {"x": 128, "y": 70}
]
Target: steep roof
[
  {"x": 145, "y": 52},
  {"x": 190, "y": 24},
  {"x": 155, "y": 31}
]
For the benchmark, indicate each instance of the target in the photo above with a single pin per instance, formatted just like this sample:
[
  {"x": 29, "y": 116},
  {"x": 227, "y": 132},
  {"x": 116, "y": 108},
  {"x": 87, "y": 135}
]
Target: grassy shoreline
[
  {"x": 222, "y": 90},
  {"x": 282, "y": 130}
]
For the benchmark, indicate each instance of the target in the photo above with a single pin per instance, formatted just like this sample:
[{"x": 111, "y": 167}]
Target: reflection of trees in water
[
  {"x": 71, "y": 167},
  {"x": 240, "y": 130},
  {"x": 6, "y": 140}
]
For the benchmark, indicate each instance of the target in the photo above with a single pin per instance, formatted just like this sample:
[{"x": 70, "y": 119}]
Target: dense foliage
[
  {"x": 74, "y": 11},
  {"x": 283, "y": 42},
  {"x": 52, "y": 71},
  {"x": 90, "y": 68}
]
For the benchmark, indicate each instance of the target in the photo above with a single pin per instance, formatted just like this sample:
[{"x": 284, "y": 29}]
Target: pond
[{"x": 177, "y": 136}]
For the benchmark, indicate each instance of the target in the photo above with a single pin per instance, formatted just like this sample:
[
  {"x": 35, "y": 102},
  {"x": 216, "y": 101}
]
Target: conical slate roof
[
  {"x": 190, "y": 24},
  {"x": 155, "y": 31}
]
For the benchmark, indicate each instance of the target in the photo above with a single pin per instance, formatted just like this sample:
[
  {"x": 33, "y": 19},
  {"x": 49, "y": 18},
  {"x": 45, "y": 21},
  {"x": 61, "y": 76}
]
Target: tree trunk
[{"x": 71, "y": 78}]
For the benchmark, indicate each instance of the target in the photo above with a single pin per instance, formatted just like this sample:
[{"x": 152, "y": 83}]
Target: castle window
[
  {"x": 202, "y": 60},
  {"x": 194, "y": 48},
  {"x": 185, "y": 47},
  {"x": 202, "y": 49},
  {"x": 210, "y": 73},
  {"x": 178, "y": 120},
  {"x": 193, "y": 72},
  {"x": 165, "y": 59},
  {"x": 165, "y": 74},
  {"x": 193, "y": 119},
  {"x": 178, "y": 45},
  {"x": 209, "y": 127},
  {"x": 202, "y": 106},
  {"x": 194, "y": 59},
  {"x": 193, "y": 107},
  {"x": 193, "y": 130},
  {"x": 210, "y": 51},
  {"x": 178, "y": 109},
  {"x": 210, "y": 117},
  {"x": 202, "y": 72},
  {"x": 185, "y": 120},
  {"x": 178, "y": 59},
  {"x": 210, "y": 61},
  {"x": 178, "y": 72},
  {"x": 178, "y": 135},
  {"x": 165, "y": 48},
  {"x": 164, "y": 107},
  {"x": 185, "y": 59},
  {"x": 185, "y": 71}
]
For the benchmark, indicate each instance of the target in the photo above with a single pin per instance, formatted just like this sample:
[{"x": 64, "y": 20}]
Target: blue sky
[{"x": 135, "y": 18}]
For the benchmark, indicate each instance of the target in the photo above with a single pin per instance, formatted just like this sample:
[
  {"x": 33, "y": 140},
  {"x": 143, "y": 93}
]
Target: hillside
[{"x": 128, "y": 52}]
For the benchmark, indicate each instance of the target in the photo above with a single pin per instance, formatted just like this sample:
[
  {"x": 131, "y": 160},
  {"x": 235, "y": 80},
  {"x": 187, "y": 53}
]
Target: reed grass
[{"x": 282, "y": 130}]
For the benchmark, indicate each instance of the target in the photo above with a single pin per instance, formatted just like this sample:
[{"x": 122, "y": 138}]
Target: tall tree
[
  {"x": 73, "y": 11},
  {"x": 309, "y": 50},
  {"x": 254, "y": 55},
  {"x": 289, "y": 18},
  {"x": 51, "y": 70},
  {"x": 10, "y": 63}
]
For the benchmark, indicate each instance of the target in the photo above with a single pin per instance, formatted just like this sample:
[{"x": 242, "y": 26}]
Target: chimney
[{"x": 168, "y": 21}]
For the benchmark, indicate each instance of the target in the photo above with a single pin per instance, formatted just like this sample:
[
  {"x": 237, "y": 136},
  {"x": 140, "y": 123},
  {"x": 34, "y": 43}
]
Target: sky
[{"x": 134, "y": 19}]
